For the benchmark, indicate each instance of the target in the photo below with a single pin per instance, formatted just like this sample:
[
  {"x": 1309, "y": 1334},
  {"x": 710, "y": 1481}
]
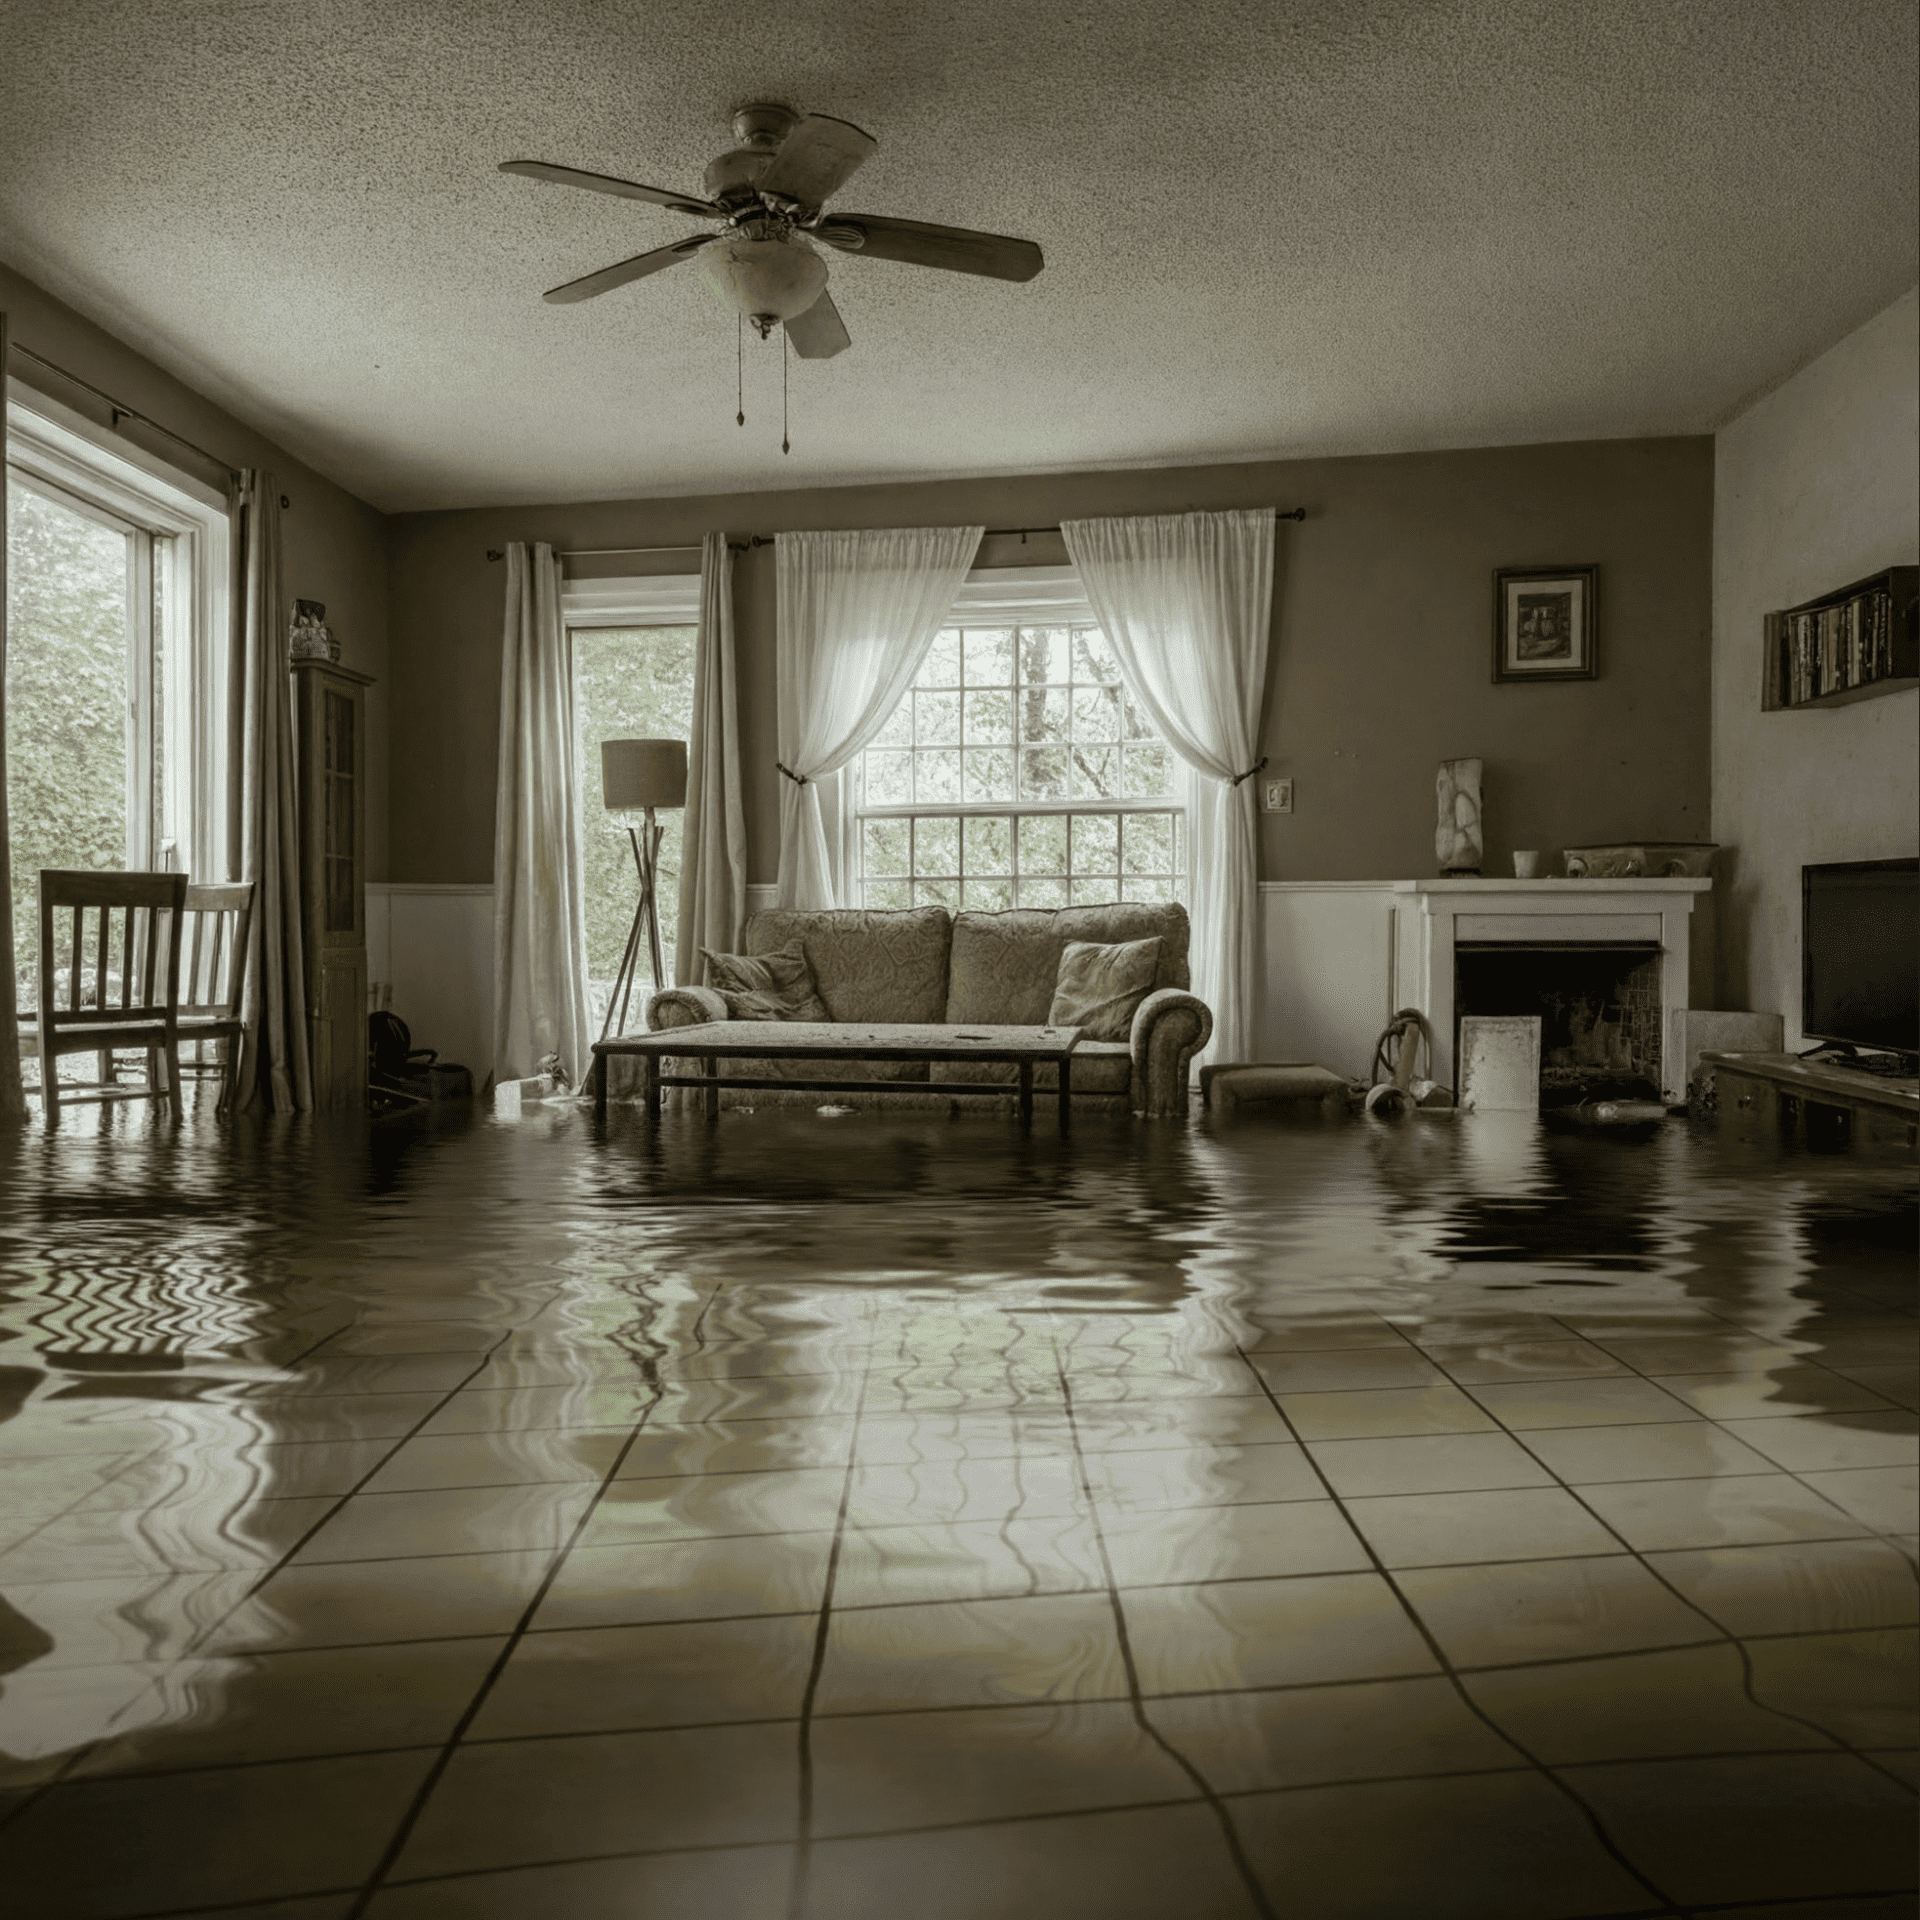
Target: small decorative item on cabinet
[
  {"x": 310, "y": 638},
  {"x": 1844, "y": 646}
]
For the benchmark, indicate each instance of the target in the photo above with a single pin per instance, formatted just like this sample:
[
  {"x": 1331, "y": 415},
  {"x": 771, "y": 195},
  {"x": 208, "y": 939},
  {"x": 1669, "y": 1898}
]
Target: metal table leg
[
  {"x": 710, "y": 1065},
  {"x": 653, "y": 1085},
  {"x": 599, "y": 1084},
  {"x": 1066, "y": 1089},
  {"x": 1026, "y": 1093}
]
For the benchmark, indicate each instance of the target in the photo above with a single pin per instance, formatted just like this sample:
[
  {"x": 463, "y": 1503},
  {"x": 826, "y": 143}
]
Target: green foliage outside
[
  {"x": 66, "y": 709},
  {"x": 629, "y": 683}
]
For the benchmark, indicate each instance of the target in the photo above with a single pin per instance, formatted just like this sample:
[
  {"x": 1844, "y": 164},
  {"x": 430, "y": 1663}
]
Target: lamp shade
[{"x": 644, "y": 773}]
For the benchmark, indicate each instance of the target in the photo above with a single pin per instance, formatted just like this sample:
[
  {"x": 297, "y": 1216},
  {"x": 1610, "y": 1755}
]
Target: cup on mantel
[{"x": 1528, "y": 865}]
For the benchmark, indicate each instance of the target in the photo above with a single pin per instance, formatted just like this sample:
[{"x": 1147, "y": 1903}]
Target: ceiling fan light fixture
[{"x": 767, "y": 280}]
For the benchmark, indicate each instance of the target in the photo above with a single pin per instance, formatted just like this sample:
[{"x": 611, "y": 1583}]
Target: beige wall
[
  {"x": 1381, "y": 661},
  {"x": 333, "y": 545},
  {"x": 1816, "y": 486}
]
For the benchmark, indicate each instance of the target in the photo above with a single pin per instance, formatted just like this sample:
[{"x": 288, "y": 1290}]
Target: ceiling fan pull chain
[
  {"x": 740, "y": 370},
  {"x": 786, "y": 364}
]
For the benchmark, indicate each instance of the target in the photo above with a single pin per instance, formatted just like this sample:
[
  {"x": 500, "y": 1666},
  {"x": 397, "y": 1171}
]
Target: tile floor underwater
[{"x": 810, "y": 1519}]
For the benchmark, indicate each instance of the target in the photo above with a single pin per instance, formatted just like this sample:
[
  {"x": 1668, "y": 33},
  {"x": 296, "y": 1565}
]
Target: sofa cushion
[
  {"x": 765, "y": 986},
  {"x": 1005, "y": 964},
  {"x": 1100, "y": 987},
  {"x": 867, "y": 965}
]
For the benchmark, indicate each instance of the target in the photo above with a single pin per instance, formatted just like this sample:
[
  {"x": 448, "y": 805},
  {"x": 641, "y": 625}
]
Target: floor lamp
[{"x": 639, "y": 776}]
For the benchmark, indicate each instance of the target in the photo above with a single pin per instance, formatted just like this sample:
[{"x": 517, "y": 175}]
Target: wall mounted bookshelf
[{"x": 1848, "y": 645}]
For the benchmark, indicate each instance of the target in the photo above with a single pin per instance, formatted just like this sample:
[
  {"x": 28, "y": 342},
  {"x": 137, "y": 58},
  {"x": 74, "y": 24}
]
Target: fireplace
[
  {"x": 1604, "y": 963},
  {"x": 1598, "y": 1005}
]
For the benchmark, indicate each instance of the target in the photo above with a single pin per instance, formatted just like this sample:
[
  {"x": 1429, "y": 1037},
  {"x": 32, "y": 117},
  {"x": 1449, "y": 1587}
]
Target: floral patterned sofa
[{"x": 925, "y": 965}]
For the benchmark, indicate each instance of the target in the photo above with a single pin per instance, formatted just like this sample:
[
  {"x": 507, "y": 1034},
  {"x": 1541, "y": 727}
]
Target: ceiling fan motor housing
[{"x": 733, "y": 177}]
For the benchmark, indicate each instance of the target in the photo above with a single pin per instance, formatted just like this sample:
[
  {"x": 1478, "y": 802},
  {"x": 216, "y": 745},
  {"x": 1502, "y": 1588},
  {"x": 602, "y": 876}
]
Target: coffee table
[{"x": 800, "y": 1040}]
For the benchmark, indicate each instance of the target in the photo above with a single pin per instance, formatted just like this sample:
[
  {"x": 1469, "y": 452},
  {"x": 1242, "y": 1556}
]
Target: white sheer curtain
[
  {"x": 1185, "y": 601},
  {"x": 857, "y": 613},
  {"x": 13, "y": 1102},
  {"x": 275, "y": 1067},
  {"x": 713, "y": 860},
  {"x": 539, "y": 920}
]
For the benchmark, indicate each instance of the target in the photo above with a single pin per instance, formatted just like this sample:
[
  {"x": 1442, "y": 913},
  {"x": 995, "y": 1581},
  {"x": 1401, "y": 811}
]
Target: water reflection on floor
[{"x": 879, "y": 1516}]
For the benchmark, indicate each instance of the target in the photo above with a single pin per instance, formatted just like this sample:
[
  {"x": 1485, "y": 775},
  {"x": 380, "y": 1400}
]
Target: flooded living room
[{"x": 1088, "y": 1089}]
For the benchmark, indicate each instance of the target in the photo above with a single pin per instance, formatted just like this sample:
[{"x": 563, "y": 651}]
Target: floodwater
[{"x": 826, "y": 1518}]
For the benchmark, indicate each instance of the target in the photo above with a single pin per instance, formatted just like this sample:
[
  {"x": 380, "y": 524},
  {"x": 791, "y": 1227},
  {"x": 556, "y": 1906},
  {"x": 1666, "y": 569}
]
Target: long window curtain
[
  {"x": 275, "y": 1071},
  {"x": 539, "y": 919},
  {"x": 1185, "y": 601},
  {"x": 713, "y": 860},
  {"x": 13, "y": 1103},
  {"x": 857, "y": 613}
]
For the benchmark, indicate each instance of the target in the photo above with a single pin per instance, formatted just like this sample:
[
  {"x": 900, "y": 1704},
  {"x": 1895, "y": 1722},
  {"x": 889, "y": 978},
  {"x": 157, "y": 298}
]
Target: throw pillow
[
  {"x": 766, "y": 986},
  {"x": 1098, "y": 988}
]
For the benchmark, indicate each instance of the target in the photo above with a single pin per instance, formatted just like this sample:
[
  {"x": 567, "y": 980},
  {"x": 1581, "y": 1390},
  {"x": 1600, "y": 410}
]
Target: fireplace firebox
[{"x": 1598, "y": 1005}]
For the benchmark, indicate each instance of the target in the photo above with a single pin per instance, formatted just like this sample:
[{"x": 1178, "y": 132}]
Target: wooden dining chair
[
  {"x": 99, "y": 994},
  {"x": 213, "y": 961}
]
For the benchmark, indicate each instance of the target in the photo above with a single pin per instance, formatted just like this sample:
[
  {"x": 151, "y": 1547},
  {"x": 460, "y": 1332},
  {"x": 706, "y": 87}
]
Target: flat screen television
[{"x": 1860, "y": 954}]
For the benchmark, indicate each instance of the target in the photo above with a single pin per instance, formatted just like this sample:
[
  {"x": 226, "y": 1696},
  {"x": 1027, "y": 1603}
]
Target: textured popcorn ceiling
[{"x": 1326, "y": 226}]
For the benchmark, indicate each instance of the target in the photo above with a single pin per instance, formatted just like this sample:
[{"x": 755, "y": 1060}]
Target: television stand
[{"x": 1825, "y": 1106}]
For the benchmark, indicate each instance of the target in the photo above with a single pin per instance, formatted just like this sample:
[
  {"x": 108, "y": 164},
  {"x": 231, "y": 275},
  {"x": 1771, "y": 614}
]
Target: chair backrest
[
  {"x": 214, "y": 948},
  {"x": 106, "y": 981}
]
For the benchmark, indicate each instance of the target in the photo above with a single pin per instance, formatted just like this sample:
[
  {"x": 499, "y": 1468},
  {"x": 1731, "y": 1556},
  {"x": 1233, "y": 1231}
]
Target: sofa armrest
[
  {"x": 1169, "y": 1027},
  {"x": 684, "y": 1007}
]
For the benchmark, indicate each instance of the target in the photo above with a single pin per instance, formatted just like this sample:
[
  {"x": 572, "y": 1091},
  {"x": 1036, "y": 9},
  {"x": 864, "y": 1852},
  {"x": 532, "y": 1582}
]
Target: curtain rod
[
  {"x": 121, "y": 411},
  {"x": 766, "y": 540},
  {"x": 1288, "y": 513},
  {"x": 594, "y": 553}
]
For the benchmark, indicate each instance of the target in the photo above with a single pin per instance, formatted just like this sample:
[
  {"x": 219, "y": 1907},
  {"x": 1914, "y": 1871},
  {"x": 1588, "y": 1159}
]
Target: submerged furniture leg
[
  {"x": 1026, "y": 1093},
  {"x": 710, "y": 1065},
  {"x": 1066, "y": 1089},
  {"x": 599, "y": 1083},
  {"x": 653, "y": 1086}
]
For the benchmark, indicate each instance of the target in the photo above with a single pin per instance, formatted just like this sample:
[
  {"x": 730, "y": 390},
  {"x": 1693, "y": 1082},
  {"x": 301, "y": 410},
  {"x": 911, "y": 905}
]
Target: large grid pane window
[{"x": 1016, "y": 772}]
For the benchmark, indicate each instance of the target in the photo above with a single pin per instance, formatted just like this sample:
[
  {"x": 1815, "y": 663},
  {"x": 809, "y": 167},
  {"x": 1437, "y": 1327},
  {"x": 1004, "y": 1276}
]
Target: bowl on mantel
[{"x": 1642, "y": 860}]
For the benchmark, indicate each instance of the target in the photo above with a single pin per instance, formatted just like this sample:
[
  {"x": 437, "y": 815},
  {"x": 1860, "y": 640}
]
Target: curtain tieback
[
  {"x": 800, "y": 779},
  {"x": 1237, "y": 778}
]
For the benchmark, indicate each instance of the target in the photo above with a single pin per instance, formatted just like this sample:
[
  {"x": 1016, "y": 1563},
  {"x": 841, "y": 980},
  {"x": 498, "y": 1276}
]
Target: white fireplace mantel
[{"x": 1341, "y": 957}]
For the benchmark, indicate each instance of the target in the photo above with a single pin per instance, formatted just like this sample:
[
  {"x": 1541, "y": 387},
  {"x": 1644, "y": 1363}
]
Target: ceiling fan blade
[
  {"x": 957, "y": 249},
  {"x": 618, "y": 275},
  {"x": 819, "y": 333},
  {"x": 815, "y": 160},
  {"x": 605, "y": 183}
]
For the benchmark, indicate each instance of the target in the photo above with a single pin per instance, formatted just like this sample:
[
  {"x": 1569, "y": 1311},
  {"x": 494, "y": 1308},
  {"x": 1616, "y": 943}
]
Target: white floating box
[{"x": 1500, "y": 1063}]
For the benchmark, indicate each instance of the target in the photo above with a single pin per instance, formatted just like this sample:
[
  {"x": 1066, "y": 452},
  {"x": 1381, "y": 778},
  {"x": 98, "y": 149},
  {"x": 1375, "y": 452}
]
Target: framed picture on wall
[{"x": 1546, "y": 623}]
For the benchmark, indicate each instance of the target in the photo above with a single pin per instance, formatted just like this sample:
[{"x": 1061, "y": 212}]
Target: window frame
[
  {"x": 83, "y": 467},
  {"x": 993, "y": 597},
  {"x": 619, "y": 603}
]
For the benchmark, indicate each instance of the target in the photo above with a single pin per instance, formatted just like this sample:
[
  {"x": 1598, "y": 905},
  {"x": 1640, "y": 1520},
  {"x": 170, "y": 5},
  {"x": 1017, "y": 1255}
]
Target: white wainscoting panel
[
  {"x": 432, "y": 947},
  {"x": 1326, "y": 972}
]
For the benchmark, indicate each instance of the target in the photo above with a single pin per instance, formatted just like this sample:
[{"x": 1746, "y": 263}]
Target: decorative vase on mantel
[{"x": 1457, "y": 844}]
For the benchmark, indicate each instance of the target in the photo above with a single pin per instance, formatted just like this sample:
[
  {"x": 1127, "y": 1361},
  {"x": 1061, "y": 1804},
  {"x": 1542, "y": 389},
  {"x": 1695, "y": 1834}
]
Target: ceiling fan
[{"x": 769, "y": 193}]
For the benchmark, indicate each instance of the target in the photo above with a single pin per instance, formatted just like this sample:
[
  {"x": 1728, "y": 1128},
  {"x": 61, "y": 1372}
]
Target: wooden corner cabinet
[
  {"x": 330, "y": 730},
  {"x": 1851, "y": 644}
]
